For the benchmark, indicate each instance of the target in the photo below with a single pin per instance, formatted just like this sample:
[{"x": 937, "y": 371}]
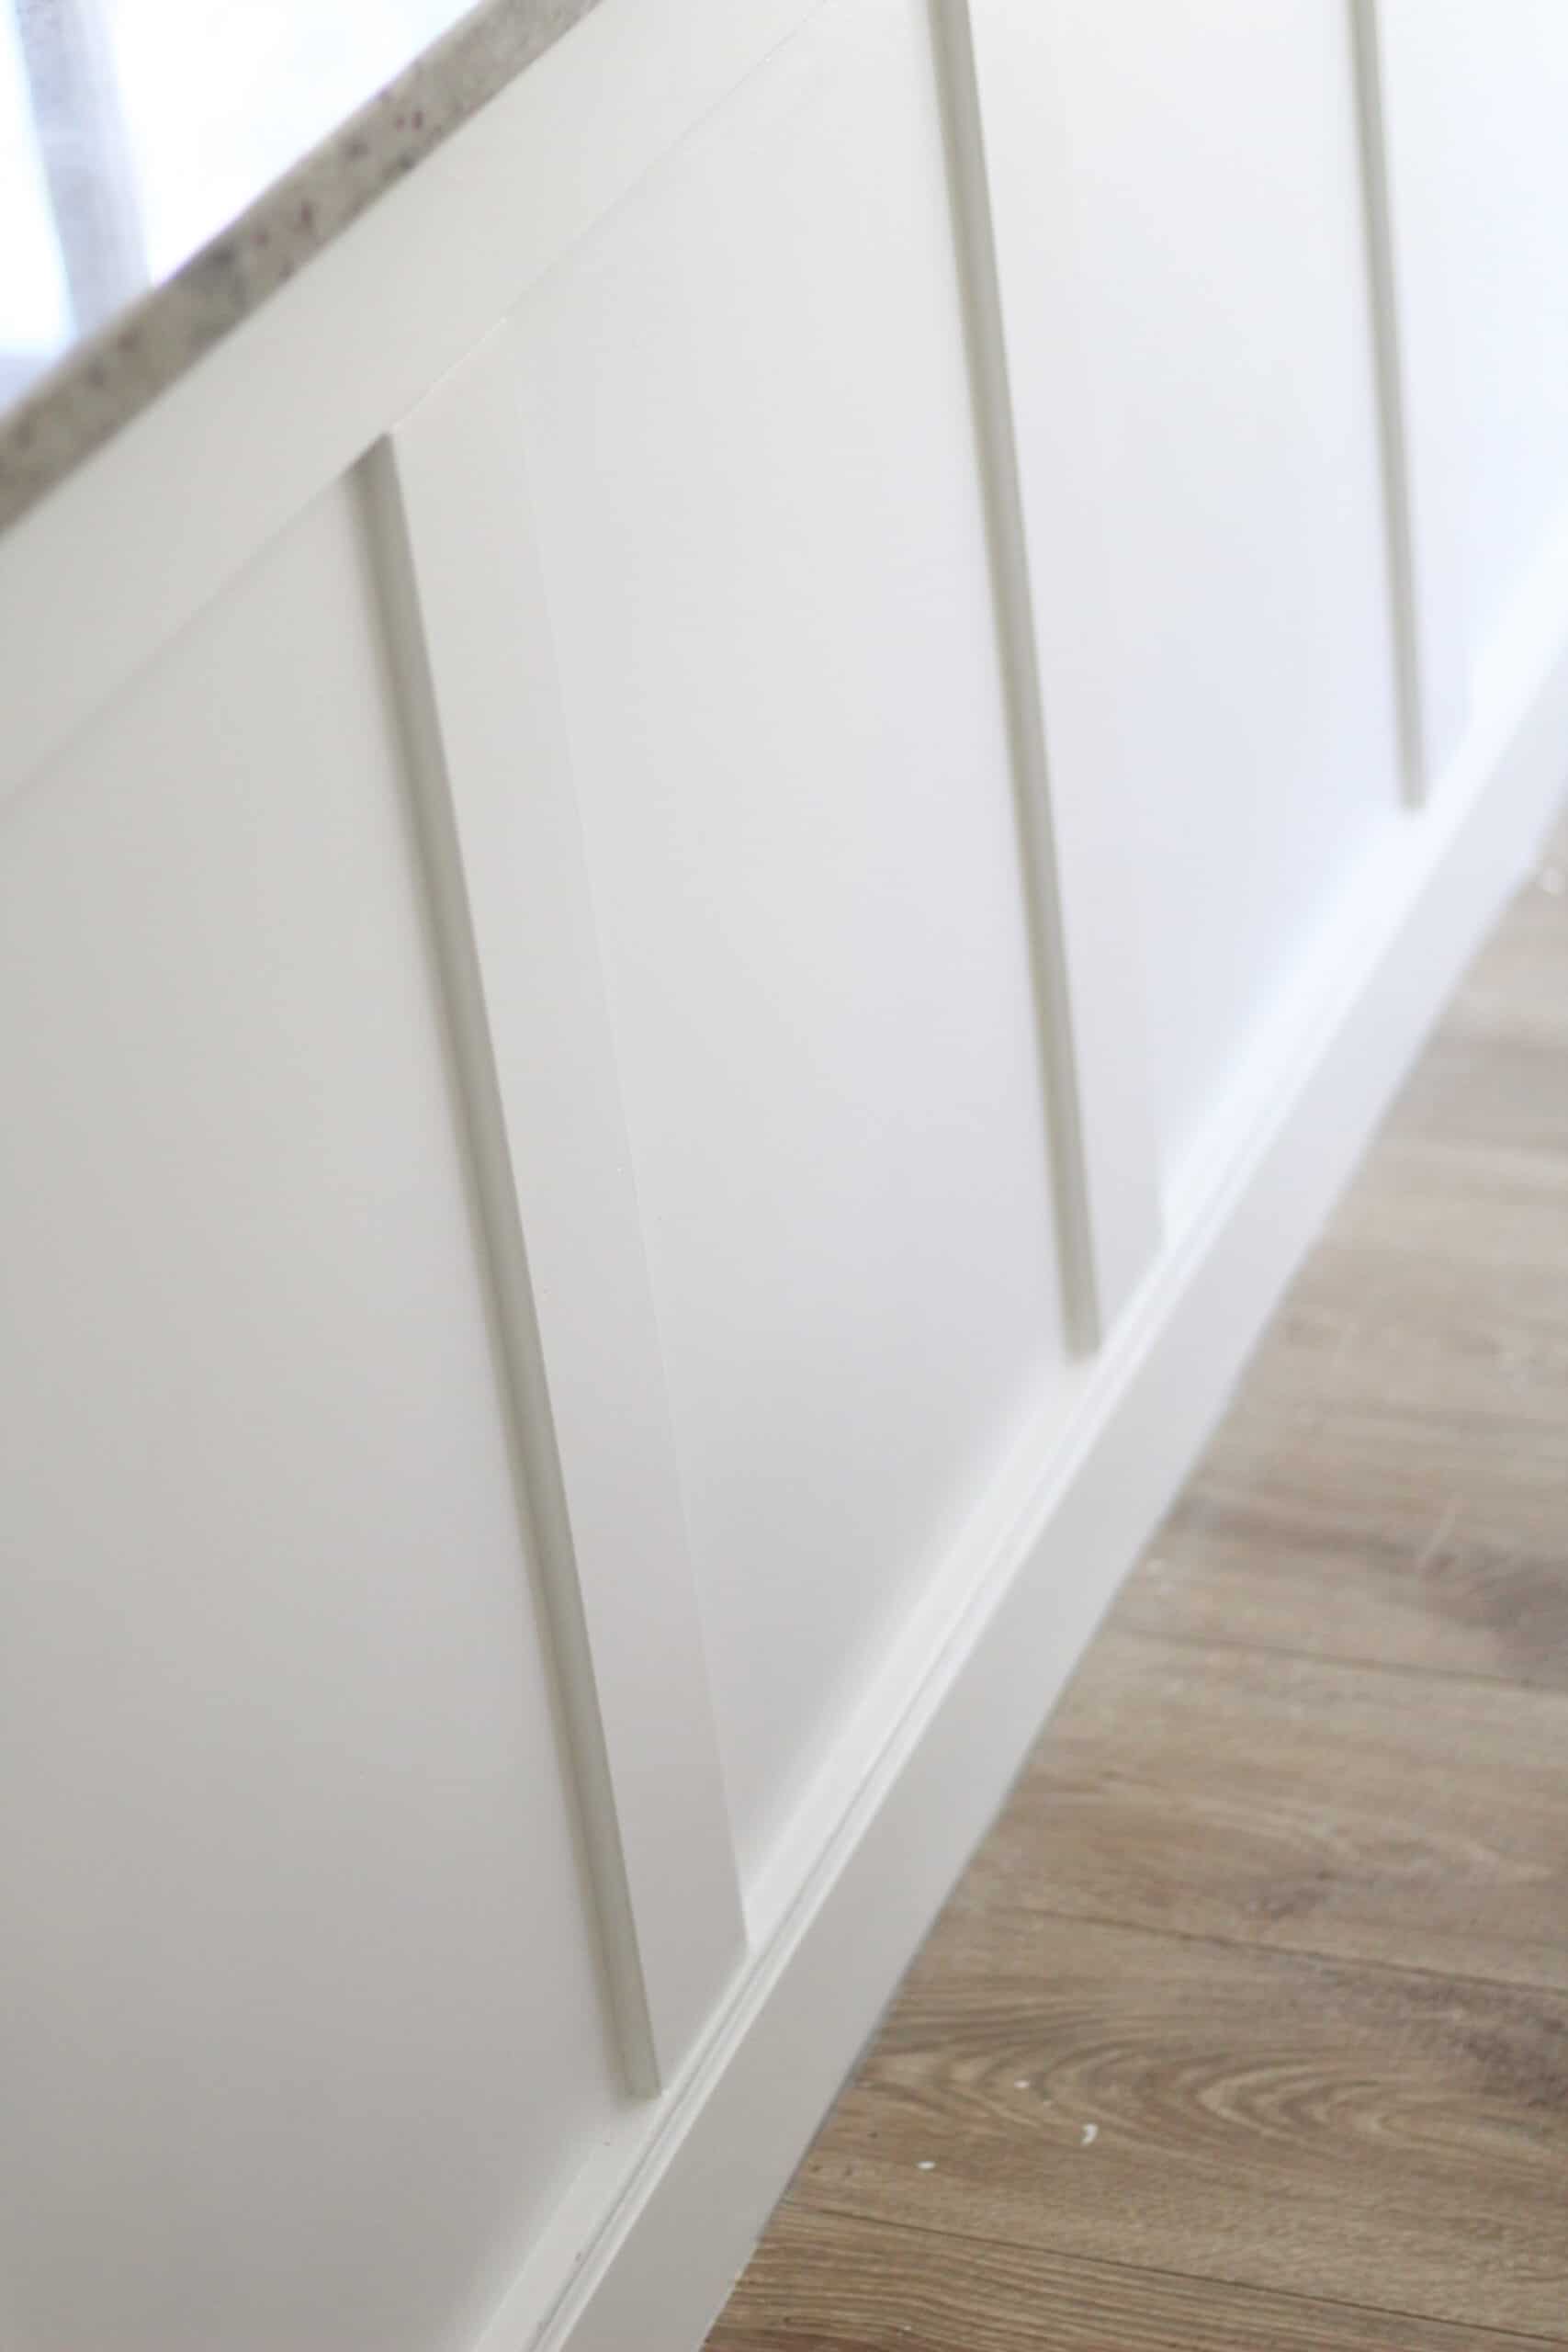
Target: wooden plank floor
[{"x": 1248, "y": 2028}]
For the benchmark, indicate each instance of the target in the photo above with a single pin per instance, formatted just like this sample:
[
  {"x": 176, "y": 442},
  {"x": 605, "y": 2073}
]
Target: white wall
[
  {"x": 1476, "y": 99},
  {"x": 526, "y": 964},
  {"x": 753, "y": 467},
  {"x": 1183, "y": 268},
  {"x": 303, "y": 2016}
]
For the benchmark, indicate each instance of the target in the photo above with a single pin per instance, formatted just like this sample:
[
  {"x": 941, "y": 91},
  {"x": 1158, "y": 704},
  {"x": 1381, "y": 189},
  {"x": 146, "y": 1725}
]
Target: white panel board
[
  {"x": 303, "y": 2019},
  {"x": 1183, "y": 276},
  {"x": 504, "y": 845},
  {"x": 751, "y": 449},
  {"x": 1089, "y": 979},
  {"x": 1474, "y": 102}
]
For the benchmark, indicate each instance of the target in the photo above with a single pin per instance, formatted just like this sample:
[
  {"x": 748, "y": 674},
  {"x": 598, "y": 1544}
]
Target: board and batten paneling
[
  {"x": 1184, "y": 289},
  {"x": 591, "y": 1012},
  {"x": 305, "y": 2023},
  {"x": 1473, "y": 106},
  {"x": 504, "y": 854},
  {"x": 750, "y": 438}
]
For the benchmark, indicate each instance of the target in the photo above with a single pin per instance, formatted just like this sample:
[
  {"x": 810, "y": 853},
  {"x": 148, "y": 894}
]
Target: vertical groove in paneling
[
  {"x": 531, "y": 1433},
  {"x": 1084, "y": 1312},
  {"x": 1388, "y": 366}
]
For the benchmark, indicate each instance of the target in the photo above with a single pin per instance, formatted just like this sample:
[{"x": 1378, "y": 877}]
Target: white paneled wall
[
  {"x": 294, "y": 1923},
  {"x": 1184, "y": 278},
  {"x": 707, "y": 866},
  {"x": 1478, "y": 171},
  {"x": 746, "y": 411}
]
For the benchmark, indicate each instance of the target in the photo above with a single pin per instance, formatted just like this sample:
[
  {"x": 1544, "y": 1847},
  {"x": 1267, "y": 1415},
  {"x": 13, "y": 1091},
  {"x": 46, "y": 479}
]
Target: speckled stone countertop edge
[{"x": 115, "y": 373}]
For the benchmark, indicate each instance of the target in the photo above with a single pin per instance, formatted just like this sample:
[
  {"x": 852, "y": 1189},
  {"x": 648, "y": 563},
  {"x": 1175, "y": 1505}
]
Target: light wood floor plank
[
  {"x": 1256, "y": 2117},
  {"x": 830, "y": 2282},
  {"x": 1288, "y": 1804}
]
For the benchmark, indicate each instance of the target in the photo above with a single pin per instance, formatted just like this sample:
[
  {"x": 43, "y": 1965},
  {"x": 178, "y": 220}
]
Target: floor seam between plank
[
  {"x": 1000, "y": 1907},
  {"x": 1328, "y": 1657}
]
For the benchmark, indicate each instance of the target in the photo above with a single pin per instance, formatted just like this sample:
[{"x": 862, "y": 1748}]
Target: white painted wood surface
[
  {"x": 703, "y": 870},
  {"x": 1089, "y": 975},
  {"x": 1478, "y": 167},
  {"x": 1185, "y": 295},
  {"x": 512, "y": 899},
  {"x": 303, "y": 2016},
  {"x": 1424, "y": 698},
  {"x": 749, "y": 434}
]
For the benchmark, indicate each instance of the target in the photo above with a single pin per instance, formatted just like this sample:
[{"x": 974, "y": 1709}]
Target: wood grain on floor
[
  {"x": 1248, "y": 2025},
  {"x": 1282, "y": 1801},
  {"x": 830, "y": 2282},
  {"x": 1312, "y": 2127}
]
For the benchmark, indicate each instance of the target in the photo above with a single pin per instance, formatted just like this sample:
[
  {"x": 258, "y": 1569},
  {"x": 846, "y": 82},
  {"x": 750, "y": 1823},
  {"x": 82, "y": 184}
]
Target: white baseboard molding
[{"x": 659, "y": 2223}]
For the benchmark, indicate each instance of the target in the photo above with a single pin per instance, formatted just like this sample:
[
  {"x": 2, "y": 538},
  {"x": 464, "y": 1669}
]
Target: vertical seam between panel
[
  {"x": 1388, "y": 368},
  {"x": 530, "y": 1429},
  {"x": 1013, "y": 592}
]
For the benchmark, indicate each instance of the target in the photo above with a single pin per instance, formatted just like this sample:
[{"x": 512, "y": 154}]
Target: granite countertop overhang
[{"x": 130, "y": 250}]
